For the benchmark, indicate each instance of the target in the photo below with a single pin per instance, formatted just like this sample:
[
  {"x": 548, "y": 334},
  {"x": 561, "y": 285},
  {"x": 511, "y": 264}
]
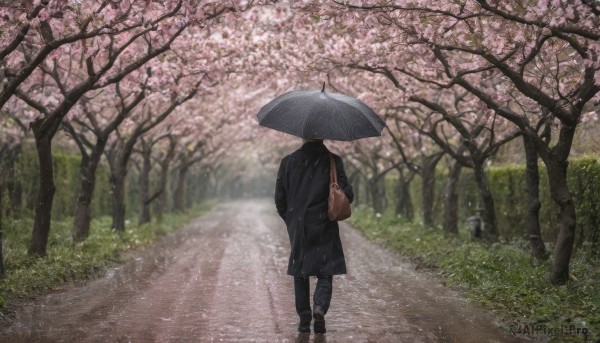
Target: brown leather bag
[{"x": 339, "y": 206}]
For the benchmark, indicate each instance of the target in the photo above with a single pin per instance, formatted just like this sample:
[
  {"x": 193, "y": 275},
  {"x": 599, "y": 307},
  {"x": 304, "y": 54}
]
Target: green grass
[
  {"x": 501, "y": 276},
  {"x": 27, "y": 276}
]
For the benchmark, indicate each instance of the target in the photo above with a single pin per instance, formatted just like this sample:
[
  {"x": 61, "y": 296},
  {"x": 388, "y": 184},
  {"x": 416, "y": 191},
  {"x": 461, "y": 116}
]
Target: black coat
[{"x": 301, "y": 195}]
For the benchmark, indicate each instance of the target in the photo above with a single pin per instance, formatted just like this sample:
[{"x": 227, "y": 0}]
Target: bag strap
[{"x": 332, "y": 170}]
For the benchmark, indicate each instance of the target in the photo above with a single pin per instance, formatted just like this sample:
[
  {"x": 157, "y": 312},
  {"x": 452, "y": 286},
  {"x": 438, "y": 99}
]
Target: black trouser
[{"x": 321, "y": 296}]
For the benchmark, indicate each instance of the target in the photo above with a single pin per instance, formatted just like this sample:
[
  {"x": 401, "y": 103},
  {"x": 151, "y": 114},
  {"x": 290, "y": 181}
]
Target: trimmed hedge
[
  {"x": 499, "y": 276},
  {"x": 23, "y": 188},
  {"x": 66, "y": 180},
  {"x": 508, "y": 188}
]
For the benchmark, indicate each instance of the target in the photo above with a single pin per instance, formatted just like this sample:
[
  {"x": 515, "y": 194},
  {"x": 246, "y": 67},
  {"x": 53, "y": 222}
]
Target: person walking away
[{"x": 301, "y": 198}]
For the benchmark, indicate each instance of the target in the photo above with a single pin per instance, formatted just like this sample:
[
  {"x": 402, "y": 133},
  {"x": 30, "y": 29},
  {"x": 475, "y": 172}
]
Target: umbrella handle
[{"x": 323, "y": 90}]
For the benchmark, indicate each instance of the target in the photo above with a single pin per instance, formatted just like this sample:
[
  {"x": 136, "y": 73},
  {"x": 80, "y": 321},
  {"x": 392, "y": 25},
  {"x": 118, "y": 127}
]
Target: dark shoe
[
  {"x": 319, "y": 316},
  {"x": 303, "y": 337},
  {"x": 304, "y": 326}
]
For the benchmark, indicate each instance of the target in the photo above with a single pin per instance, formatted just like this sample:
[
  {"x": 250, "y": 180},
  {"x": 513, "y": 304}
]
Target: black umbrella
[{"x": 321, "y": 115}]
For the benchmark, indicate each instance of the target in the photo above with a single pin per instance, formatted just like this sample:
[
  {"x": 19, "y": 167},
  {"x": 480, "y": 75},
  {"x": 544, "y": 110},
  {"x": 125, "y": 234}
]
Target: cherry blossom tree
[
  {"x": 403, "y": 146},
  {"x": 12, "y": 132},
  {"x": 227, "y": 127},
  {"x": 469, "y": 74},
  {"x": 36, "y": 29},
  {"x": 106, "y": 59},
  {"x": 340, "y": 35},
  {"x": 195, "y": 149},
  {"x": 419, "y": 155},
  {"x": 97, "y": 65},
  {"x": 433, "y": 102},
  {"x": 91, "y": 131},
  {"x": 480, "y": 134},
  {"x": 119, "y": 150},
  {"x": 151, "y": 152},
  {"x": 407, "y": 168},
  {"x": 547, "y": 52}
]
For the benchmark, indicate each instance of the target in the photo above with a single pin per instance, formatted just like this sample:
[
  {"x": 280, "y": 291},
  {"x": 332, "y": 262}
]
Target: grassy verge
[
  {"x": 28, "y": 277},
  {"x": 502, "y": 277}
]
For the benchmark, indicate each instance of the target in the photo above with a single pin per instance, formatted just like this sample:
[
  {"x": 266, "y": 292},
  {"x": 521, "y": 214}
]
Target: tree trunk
[
  {"x": 12, "y": 187},
  {"x": 357, "y": 192},
  {"x": 161, "y": 201},
  {"x": 368, "y": 193},
  {"x": 118, "y": 158},
  {"x": 490, "y": 231},
  {"x": 82, "y": 215},
  {"x": 15, "y": 194},
  {"x": 145, "y": 185},
  {"x": 451, "y": 199},
  {"x": 532, "y": 221},
  {"x": 87, "y": 171},
  {"x": 376, "y": 198},
  {"x": 354, "y": 181},
  {"x": 2, "y": 271},
  {"x": 159, "y": 207},
  {"x": 559, "y": 190},
  {"x": 428, "y": 196},
  {"x": 43, "y": 207},
  {"x": 179, "y": 196},
  {"x": 404, "y": 204},
  {"x": 117, "y": 184},
  {"x": 216, "y": 185},
  {"x": 428, "y": 187}
]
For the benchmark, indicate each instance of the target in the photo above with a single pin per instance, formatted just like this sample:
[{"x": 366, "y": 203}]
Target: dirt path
[{"x": 222, "y": 279}]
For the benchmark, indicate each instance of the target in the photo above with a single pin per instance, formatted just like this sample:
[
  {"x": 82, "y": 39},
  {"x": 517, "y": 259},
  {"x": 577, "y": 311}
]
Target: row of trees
[
  {"x": 456, "y": 79},
  {"x": 120, "y": 79},
  {"x": 477, "y": 74}
]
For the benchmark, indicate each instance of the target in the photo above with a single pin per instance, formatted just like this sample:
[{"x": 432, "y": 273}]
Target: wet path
[{"x": 222, "y": 279}]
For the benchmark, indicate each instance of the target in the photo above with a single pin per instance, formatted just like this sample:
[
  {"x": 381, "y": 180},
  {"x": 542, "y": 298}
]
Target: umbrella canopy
[{"x": 321, "y": 115}]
